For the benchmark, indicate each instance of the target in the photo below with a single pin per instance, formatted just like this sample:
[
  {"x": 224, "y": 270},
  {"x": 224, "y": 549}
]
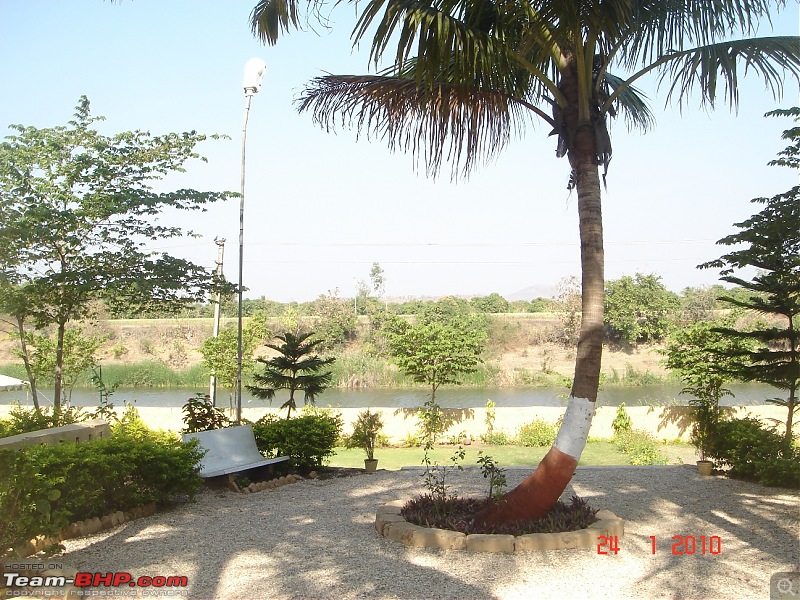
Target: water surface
[{"x": 454, "y": 397}]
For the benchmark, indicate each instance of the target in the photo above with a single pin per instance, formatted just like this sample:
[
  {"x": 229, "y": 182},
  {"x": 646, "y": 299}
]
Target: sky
[{"x": 321, "y": 207}]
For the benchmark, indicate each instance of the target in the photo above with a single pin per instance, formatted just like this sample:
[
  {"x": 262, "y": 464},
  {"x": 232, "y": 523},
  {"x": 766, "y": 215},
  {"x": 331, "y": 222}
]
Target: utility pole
[{"x": 217, "y": 304}]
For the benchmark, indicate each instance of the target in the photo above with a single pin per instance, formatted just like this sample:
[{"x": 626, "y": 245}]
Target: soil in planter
[{"x": 456, "y": 514}]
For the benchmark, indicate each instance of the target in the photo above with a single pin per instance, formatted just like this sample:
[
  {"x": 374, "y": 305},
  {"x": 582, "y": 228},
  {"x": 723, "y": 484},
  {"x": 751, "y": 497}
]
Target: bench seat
[{"x": 230, "y": 450}]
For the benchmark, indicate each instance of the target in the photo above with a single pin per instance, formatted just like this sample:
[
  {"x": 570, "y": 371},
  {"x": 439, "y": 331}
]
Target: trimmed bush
[
  {"x": 26, "y": 504},
  {"x": 536, "y": 433},
  {"x": 119, "y": 472},
  {"x": 26, "y": 419},
  {"x": 640, "y": 447},
  {"x": 756, "y": 452},
  {"x": 497, "y": 438},
  {"x": 44, "y": 487},
  {"x": 308, "y": 439}
]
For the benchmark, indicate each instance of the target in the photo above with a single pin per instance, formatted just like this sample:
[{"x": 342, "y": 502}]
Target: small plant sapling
[
  {"x": 495, "y": 475},
  {"x": 199, "y": 414}
]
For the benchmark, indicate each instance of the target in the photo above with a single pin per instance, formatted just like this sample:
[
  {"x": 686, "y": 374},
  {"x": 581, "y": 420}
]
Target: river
[{"x": 659, "y": 395}]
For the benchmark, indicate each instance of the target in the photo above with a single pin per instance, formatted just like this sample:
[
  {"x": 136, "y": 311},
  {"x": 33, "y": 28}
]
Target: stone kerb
[{"x": 391, "y": 524}]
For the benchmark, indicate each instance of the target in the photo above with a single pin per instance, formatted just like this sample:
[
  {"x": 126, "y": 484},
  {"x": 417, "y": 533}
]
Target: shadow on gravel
[
  {"x": 747, "y": 518},
  {"x": 316, "y": 539}
]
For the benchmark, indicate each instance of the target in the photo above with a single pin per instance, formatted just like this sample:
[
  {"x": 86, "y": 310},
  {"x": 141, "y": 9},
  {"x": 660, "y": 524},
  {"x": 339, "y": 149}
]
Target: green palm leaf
[
  {"x": 461, "y": 125},
  {"x": 271, "y": 17},
  {"x": 659, "y": 27},
  {"x": 632, "y": 103},
  {"x": 708, "y": 67}
]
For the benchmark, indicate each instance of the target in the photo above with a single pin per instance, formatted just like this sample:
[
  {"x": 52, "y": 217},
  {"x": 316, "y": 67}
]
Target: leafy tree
[
  {"x": 78, "y": 355},
  {"x": 700, "y": 355},
  {"x": 77, "y": 210},
  {"x": 772, "y": 245},
  {"x": 220, "y": 353},
  {"x": 362, "y": 298},
  {"x": 295, "y": 368},
  {"x": 436, "y": 353},
  {"x": 493, "y": 303},
  {"x": 378, "y": 280},
  {"x": 482, "y": 68},
  {"x": 446, "y": 310},
  {"x": 640, "y": 309},
  {"x": 335, "y": 323},
  {"x": 699, "y": 303},
  {"x": 569, "y": 309}
]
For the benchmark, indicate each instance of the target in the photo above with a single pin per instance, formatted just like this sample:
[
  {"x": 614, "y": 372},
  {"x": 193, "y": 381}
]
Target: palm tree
[
  {"x": 294, "y": 368},
  {"x": 466, "y": 74}
]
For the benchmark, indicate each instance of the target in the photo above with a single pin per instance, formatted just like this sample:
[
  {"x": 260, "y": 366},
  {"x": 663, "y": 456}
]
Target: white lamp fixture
[{"x": 254, "y": 70}]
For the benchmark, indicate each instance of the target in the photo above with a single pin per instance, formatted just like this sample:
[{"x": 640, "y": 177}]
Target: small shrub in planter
[
  {"x": 365, "y": 433},
  {"x": 456, "y": 514}
]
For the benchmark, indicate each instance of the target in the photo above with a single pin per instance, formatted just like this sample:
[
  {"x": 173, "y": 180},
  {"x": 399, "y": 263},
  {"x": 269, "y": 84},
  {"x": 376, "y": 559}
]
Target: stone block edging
[
  {"x": 270, "y": 484},
  {"x": 87, "y": 527},
  {"x": 391, "y": 524},
  {"x": 98, "y": 524}
]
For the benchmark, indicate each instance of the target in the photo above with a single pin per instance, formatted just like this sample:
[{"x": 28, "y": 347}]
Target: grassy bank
[
  {"x": 349, "y": 370},
  {"x": 597, "y": 453},
  {"x": 143, "y": 374}
]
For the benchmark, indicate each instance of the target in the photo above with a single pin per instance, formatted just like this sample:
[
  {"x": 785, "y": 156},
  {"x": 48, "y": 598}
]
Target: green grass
[{"x": 597, "y": 453}]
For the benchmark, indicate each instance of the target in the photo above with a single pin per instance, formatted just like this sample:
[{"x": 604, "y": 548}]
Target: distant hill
[{"x": 533, "y": 292}]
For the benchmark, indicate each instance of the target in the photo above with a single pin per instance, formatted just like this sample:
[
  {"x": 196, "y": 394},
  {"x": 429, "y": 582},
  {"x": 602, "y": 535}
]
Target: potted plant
[
  {"x": 365, "y": 436},
  {"x": 705, "y": 420}
]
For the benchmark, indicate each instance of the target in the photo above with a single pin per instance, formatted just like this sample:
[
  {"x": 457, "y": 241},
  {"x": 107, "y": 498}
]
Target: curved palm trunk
[{"x": 538, "y": 493}]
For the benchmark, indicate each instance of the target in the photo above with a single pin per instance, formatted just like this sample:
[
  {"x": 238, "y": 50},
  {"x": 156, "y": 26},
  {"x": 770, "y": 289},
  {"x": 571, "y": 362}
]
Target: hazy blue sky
[{"x": 321, "y": 208}]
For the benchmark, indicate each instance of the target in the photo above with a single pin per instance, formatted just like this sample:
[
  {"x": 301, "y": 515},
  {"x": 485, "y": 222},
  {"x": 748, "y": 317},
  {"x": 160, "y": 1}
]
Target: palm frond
[
  {"x": 658, "y": 27},
  {"x": 270, "y": 18},
  {"x": 708, "y": 67},
  {"x": 632, "y": 102},
  {"x": 475, "y": 39},
  {"x": 460, "y": 125}
]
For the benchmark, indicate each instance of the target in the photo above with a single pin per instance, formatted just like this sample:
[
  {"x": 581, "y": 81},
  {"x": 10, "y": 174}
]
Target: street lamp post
[{"x": 253, "y": 74}]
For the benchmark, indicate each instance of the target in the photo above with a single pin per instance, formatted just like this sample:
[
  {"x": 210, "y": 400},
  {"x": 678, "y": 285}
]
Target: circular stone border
[{"x": 391, "y": 524}]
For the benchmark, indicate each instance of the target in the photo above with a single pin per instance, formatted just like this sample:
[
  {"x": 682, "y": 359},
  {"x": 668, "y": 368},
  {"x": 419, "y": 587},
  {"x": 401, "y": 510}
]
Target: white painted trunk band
[{"x": 574, "y": 430}]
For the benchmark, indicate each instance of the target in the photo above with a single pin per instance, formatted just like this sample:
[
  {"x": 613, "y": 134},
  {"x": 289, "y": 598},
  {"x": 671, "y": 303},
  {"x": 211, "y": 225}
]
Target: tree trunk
[
  {"x": 26, "y": 360},
  {"x": 793, "y": 352},
  {"x": 58, "y": 375},
  {"x": 538, "y": 493}
]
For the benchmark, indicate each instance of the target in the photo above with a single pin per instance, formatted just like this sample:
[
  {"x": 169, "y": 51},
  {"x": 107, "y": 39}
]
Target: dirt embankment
[{"x": 518, "y": 344}]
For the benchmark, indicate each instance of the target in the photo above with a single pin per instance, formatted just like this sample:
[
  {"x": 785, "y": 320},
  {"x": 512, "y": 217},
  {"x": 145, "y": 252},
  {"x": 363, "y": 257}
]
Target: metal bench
[{"x": 230, "y": 450}]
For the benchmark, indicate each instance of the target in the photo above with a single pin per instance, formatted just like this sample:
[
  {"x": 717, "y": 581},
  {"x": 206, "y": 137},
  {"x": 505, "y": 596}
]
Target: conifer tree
[{"x": 772, "y": 239}]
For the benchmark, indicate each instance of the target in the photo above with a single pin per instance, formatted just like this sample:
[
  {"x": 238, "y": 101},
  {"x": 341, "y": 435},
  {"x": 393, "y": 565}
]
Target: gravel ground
[{"x": 315, "y": 539}]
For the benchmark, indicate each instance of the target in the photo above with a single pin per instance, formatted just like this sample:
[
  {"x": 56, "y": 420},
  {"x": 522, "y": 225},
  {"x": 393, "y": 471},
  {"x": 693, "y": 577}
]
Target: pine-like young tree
[
  {"x": 772, "y": 239},
  {"x": 295, "y": 368}
]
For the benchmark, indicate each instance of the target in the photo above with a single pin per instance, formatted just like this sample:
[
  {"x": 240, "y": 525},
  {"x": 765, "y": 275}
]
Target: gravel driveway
[{"x": 315, "y": 539}]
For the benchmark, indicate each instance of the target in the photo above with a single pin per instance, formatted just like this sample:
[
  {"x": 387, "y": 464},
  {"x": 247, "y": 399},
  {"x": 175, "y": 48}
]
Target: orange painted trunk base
[{"x": 533, "y": 498}]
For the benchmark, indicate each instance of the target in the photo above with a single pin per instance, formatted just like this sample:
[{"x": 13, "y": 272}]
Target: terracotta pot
[
  {"x": 704, "y": 467},
  {"x": 370, "y": 465}
]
